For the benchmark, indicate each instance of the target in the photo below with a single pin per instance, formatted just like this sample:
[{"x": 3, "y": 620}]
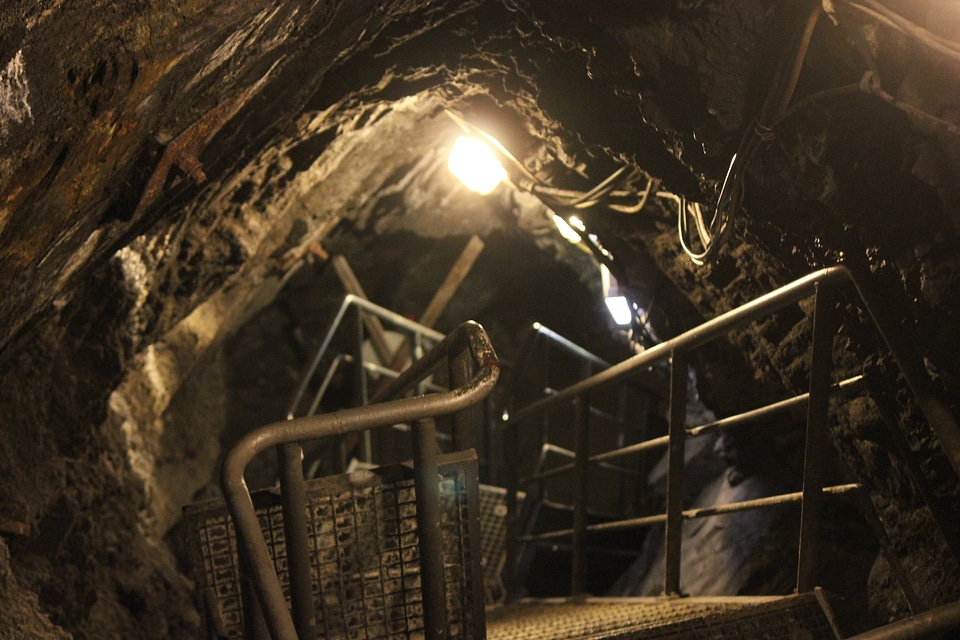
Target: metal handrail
[
  {"x": 693, "y": 432},
  {"x": 468, "y": 340},
  {"x": 822, "y": 284},
  {"x": 419, "y": 332}
]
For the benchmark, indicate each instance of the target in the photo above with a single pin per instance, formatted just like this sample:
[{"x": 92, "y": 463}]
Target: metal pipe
[
  {"x": 691, "y": 514},
  {"x": 938, "y": 415},
  {"x": 679, "y": 376},
  {"x": 512, "y": 521},
  {"x": 578, "y": 574},
  {"x": 294, "y": 504},
  {"x": 348, "y": 301},
  {"x": 818, "y": 414},
  {"x": 564, "y": 468},
  {"x": 923, "y": 625},
  {"x": 426, "y": 482},
  {"x": 250, "y": 540},
  {"x": 764, "y": 305},
  {"x": 572, "y": 347}
]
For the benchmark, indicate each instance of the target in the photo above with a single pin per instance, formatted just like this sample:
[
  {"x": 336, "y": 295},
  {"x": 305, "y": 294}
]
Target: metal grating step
[
  {"x": 365, "y": 554},
  {"x": 805, "y": 616}
]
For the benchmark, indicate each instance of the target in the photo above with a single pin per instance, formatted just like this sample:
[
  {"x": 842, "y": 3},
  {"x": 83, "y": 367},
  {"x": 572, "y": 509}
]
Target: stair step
[{"x": 807, "y": 616}]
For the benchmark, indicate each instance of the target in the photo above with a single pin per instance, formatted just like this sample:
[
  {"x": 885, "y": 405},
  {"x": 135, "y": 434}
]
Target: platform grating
[
  {"x": 786, "y": 618},
  {"x": 363, "y": 540}
]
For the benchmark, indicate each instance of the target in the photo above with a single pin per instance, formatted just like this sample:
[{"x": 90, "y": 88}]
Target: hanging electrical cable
[{"x": 628, "y": 189}]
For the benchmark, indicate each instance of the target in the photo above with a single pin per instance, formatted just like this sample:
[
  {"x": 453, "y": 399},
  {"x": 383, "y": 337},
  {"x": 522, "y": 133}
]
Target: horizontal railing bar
[
  {"x": 763, "y": 412},
  {"x": 566, "y": 468},
  {"x": 572, "y": 347},
  {"x": 709, "y": 330},
  {"x": 724, "y": 423},
  {"x": 600, "y": 413},
  {"x": 549, "y": 473},
  {"x": 349, "y": 300},
  {"x": 935, "y": 410},
  {"x": 691, "y": 514}
]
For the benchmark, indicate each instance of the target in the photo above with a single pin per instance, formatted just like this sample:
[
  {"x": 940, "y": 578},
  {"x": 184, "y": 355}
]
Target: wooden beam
[
  {"x": 372, "y": 323},
  {"x": 452, "y": 282},
  {"x": 441, "y": 298}
]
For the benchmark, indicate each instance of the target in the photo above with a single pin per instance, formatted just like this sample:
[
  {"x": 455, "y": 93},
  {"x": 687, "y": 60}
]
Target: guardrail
[
  {"x": 466, "y": 348},
  {"x": 823, "y": 285},
  {"x": 371, "y": 315}
]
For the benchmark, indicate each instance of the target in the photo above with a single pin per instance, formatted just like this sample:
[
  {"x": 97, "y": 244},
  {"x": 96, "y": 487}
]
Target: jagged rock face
[{"x": 163, "y": 166}]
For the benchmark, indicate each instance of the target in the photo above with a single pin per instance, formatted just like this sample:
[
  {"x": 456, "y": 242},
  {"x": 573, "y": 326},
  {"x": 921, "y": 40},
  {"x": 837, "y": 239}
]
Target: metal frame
[
  {"x": 823, "y": 284},
  {"x": 420, "y": 336},
  {"x": 469, "y": 338}
]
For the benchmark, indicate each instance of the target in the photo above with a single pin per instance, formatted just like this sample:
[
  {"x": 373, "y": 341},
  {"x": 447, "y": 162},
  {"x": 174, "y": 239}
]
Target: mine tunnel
[{"x": 198, "y": 196}]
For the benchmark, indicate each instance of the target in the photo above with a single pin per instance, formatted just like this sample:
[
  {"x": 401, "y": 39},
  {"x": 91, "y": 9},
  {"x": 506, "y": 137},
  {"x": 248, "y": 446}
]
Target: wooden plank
[
  {"x": 452, "y": 282},
  {"x": 442, "y": 297},
  {"x": 371, "y": 322}
]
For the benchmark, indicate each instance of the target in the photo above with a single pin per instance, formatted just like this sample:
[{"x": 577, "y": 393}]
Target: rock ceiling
[{"x": 164, "y": 163}]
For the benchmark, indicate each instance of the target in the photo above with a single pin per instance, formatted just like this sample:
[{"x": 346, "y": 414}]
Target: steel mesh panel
[
  {"x": 493, "y": 536},
  {"x": 787, "y": 619},
  {"x": 364, "y": 555}
]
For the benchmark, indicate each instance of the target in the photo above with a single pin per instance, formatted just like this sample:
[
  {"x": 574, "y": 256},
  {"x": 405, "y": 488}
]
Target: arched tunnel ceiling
[
  {"x": 164, "y": 163},
  {"x": 157, "y": 113}
]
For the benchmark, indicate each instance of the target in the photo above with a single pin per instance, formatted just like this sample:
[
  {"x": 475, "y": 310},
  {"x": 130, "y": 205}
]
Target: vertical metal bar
[
  {"x": 362, "y": 390},
  {"x": 675, "y": 462},
  {"x": 428, "y": 524},
  {"x": 293, "y": 497},
  {"x": 474, "y": 551},
  {"x": 254, "y": 624},
  {"x": 818, "y": 409},
  {"x": 578, "y": 578},
  {"x": 459, "y": 369},
  {"x": 512, "y": 455}
]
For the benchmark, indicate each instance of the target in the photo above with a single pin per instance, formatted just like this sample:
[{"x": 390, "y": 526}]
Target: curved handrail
[{"x": 470, "y": 336}]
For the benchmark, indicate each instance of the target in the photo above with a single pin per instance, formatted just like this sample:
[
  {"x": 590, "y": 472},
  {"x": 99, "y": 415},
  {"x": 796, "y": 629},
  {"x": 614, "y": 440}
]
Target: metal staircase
[{"x": 395, "y": 552}]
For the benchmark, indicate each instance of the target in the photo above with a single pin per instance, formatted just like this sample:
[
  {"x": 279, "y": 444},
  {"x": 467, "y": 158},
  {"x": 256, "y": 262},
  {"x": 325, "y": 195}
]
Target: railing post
[
  {"x": 361, "y": 390},
  {"x": 512, "y": 456},
  {"x": 427, "y": 483},
  {"x": 293, "y": 497},
  {"x": 818, "y": 410},
  {"x": 675, "y": 461},
  {"x": 578, "y": 577}
]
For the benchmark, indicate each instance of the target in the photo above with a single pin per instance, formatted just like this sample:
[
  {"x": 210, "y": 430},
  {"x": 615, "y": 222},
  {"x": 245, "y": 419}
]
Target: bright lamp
[{"x": 474, "y": 164}]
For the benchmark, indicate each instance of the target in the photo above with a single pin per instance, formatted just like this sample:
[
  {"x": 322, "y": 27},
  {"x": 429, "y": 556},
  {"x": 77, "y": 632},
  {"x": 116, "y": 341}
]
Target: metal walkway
[
  {"x": 394, "y": 554},
  {"x": 806, "y": 616}
]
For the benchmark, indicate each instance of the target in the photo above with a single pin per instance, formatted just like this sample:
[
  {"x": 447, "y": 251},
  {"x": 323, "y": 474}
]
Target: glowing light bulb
[
  {"x": 566, "y": 230},
  {"x": 475, "y": 166}
]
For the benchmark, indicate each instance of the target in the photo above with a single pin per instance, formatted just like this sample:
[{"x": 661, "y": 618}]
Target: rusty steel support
[
  {"x": 675, "y": 462},
  {"x": 818, "y": 413}
]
